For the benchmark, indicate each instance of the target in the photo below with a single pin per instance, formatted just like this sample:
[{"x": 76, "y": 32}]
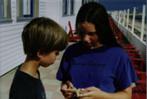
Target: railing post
[
  {"x": 119, "y": 17},
  {"x": 124, "y": 18},
  {"x": 127, "y": 24},
  {"x": 133, "y": 20},
  {"x": 143, "y": 22}
]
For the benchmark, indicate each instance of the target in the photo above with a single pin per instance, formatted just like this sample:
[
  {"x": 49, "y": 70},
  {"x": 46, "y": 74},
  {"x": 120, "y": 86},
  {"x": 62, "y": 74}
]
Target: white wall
[{"x": 50, "y": 8}]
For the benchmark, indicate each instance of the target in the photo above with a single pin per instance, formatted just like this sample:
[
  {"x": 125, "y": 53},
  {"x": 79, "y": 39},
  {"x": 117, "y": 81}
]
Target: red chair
[{"x": 71, "y": 34}]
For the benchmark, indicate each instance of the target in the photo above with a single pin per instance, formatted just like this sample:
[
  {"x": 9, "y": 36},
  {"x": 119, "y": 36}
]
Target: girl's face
[
  {"x": 89, "y": 36},
  {"x": 48, "y": 59}
]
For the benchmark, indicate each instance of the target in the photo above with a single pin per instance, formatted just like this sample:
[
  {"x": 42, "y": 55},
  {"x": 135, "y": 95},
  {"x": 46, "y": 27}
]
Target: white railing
[{"x": 128, "y": 19}]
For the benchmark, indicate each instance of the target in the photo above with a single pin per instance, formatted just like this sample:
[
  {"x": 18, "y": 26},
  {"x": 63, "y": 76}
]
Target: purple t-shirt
[{"x": 106, "y": 68}]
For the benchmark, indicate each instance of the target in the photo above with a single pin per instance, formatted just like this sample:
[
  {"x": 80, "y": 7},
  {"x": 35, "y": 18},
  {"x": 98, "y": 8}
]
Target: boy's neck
[{"x": 30, "y": 67}]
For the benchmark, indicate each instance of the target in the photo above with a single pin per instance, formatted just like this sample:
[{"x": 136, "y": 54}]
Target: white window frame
[
  {"x": 27, "y": 9},
  {"x": 68, "y": 7}
]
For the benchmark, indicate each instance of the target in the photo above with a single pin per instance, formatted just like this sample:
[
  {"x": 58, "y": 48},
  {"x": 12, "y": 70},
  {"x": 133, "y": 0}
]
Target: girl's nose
[{"x": 86, "y": 38}]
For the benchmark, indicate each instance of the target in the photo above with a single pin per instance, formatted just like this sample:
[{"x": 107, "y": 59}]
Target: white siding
[
  {"x": 50, "y": 8},
  {"x": 42, "y": 8},
  {"x": 11, "y": 50}
]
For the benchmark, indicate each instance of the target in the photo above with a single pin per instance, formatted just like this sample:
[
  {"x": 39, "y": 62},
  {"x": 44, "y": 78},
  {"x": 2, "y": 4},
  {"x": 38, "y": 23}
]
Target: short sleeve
[
  {"x": 125, "y": 73},
  {"x": 62, "y": 73}
]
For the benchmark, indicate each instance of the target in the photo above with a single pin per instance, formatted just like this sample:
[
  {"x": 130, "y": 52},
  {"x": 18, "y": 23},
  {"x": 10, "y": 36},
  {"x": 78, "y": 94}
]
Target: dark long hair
[{"x": 96, "y": 14}]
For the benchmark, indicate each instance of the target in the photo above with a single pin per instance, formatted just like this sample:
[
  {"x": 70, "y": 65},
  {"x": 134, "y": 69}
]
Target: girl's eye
[{"x": 87, "y": 33}]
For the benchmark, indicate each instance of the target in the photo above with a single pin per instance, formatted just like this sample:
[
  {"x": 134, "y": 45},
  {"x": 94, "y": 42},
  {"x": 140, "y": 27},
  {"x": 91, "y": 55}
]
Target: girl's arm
[{"x": 95, "y": 93}]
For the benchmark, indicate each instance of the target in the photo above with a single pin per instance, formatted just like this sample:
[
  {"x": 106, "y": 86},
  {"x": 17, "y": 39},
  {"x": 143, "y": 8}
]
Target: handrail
[{"x": 127, "y": 19}]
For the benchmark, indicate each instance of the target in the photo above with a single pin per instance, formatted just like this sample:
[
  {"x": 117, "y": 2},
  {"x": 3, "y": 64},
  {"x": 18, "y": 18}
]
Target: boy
[{"x": 42, "y": 40}]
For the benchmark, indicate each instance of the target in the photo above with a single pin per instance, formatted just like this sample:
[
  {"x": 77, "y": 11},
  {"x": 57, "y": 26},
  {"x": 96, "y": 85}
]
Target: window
[
  {"x": 68, "y": 7},
  {"x": 27, "y": 9},
  {"x": 5, "y": 12}
]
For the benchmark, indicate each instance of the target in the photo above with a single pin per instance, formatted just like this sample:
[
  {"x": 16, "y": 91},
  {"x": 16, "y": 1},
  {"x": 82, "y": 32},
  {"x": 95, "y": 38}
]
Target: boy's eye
[{"x": 57, "y": 52}]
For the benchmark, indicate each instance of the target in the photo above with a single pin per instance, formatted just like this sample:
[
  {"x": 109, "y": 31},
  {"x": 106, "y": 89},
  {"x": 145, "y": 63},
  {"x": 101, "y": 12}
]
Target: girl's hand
[
  {"x": 96, "y": 93},
  {"x": 68, "y": 90},
  {"x": 91, "y": 93}
]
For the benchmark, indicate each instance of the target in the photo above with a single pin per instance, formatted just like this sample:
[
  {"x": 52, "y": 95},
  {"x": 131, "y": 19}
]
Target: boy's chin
[{"x": 47, "y": 65}]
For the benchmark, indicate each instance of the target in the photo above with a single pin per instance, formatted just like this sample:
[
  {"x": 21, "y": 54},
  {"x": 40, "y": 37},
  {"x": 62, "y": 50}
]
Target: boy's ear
[{"x": 39, "y": 55}]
